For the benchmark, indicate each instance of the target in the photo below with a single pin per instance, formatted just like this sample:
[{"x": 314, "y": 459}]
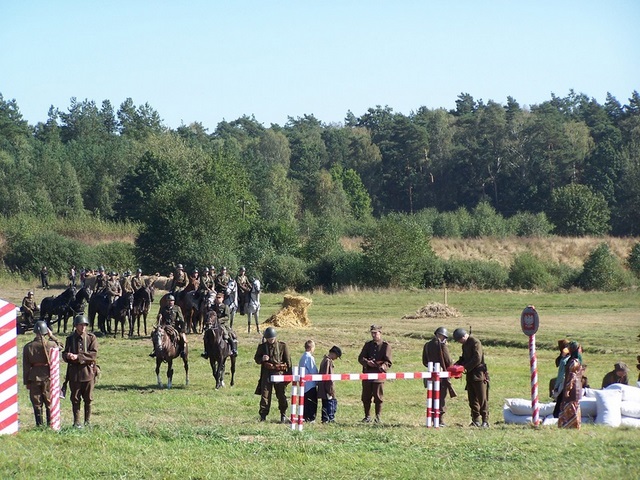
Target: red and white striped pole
[
  {"x": 430, "y": 396},
  {"x": 8, "y": 369},
  {"x": 534, "y": 380},
  {"x": 54, "y": 376},
  {"x": 436, "y": 396},
  {"x": 294, "y": 398},
  {"x": 301, "y": 399}
]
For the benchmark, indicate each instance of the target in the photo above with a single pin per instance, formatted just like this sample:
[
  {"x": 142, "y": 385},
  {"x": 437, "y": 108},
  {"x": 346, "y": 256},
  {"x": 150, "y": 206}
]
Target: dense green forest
[{"x": 246, "y": 192}]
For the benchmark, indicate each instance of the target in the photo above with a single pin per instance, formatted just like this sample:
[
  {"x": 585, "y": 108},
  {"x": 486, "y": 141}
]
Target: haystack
[
  {"x": 292, "y": 314},
  {"x": 435, "y": 310}
]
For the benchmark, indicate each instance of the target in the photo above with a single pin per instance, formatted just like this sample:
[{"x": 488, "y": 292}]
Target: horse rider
[
  {"x": 35, "y": 362},
  {"x": 102, "y": 282},
  {"x": 125, "y": 282},
  {"x": 222, "y": 312},
  {"x": 180, "y": 281},
  {"x": 222, "y": 280},
  {"x": 171, "y": 316},
  {"x": 114, "y": 289},
  {"x": 195, "y": 278},
  {"x": 205, "y": 288},
  {"x": 137, "y": 282},
  {"x": 28, "y": 308},
  {"x": 244, "y": 289}
]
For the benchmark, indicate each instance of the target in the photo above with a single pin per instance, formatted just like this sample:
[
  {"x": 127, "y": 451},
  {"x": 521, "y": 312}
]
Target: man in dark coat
[
  {"x": 477, "y": 376},
  {"x": 35, "y": 370},
  {"x": 274, "y": 359},
  {"x": 28, "y": 308},
  {"x": 81, "y": 352},
  {"x": 171, "y": 315},
  {"x": 435, "y": 351},
  {"x": 619, "y": 374},
  {"x": 326, "y": 388},
  {"x": 244, "y": 290},
  {"x": 375, "y": 357},
  {"x": 222, "y": 313}
]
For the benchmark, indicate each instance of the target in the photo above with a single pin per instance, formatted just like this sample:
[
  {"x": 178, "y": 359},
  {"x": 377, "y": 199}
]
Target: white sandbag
[
  {"x": 510, "y": 417},
  {"x": 550, "y": 420},
  {"x": 609, "y": 402},
  {"x": 629, "y": 394},
  {"x": 588, "y": 407},
  {"x": 630, "y": 422},
  {"x": 630, "y": 409},
  {"x": 522, "y": 406},
  {"x": 589, "y": 392}
]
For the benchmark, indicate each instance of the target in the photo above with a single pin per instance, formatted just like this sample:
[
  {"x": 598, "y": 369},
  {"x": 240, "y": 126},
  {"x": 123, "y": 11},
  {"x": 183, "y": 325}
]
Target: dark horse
[
  {"x": 166, "y": 349},
  {"x": 75, "y": 307},
  {"x": 218, "y": 350},
  {"x": 142, "y": 299},
  {"x": 59, "y": 305},
  {"x": 122, "y": 310},
  {"x": 99, "y": 305}
]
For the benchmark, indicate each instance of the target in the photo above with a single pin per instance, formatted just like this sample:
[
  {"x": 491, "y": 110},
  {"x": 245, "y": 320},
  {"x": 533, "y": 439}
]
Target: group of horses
[{"x": 134, "y": 308}]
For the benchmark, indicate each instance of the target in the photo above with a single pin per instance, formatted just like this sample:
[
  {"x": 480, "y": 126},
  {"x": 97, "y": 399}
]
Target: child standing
[
  {"x": 310, "y": 391},
  {"x": 326, "y": 389}
]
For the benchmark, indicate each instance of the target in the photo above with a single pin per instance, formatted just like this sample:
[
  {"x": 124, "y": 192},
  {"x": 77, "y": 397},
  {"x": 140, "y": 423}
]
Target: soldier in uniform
[
  {"x": 222, "y": 280},
  {"x": 137, "y": 282},
  {"x": 436, "y": 350},
  {"x": 223, "y": 314},
  {"x": 375, "y": 357},
  {"x": 244, "y": 290},
  {"x": 35, "y": 363},
  {"x": 125, "y": 283},
  {"x": 81, "y": 352},
  {"x": 102, "y": 282},
  {"x": 274, "y": 359},
  {"x": 114, "y": 289},
  {"x": 477, "y": 377},
  {"x": 180, "y": 280},
  {"x": 44, "y": 278},
  {"x": 28, "y": 308},
  {"x": 171, "y": 315}
]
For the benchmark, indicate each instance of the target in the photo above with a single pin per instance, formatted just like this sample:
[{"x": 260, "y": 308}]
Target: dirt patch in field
[
  {"x": 435, "y": 310},
  {"x": 292, "y": 314}
]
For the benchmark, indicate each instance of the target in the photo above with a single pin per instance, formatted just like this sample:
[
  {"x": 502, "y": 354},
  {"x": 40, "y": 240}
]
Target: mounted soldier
[
  {"x": 125, "y": 283},
  {"x": 28, "y": 308},
  {"x": 222, "y": 313},
  {"x": 171, "y": 316},
  {"x": 137, "y": 282},
  {"x": 222, "y": 280},
  {"x": 244, "y": 290},
  {"x": 179, "y": 282},
  {"x": 102, "y": 282}
]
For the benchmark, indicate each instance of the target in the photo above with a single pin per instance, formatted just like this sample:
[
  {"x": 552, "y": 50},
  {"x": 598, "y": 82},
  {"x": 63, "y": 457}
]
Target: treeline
[{"x": 246, "y": 192}]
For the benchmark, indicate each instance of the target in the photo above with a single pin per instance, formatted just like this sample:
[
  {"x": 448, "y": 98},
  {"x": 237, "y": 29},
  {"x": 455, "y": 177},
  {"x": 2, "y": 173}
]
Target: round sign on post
[{"x": 529, "y": 320}]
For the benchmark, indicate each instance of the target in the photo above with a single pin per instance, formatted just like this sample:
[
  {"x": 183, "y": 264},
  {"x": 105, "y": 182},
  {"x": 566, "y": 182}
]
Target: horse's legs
[
  {"x": 232, "y": 315},
  {"x": 145, "y": 325},
  {"x": 257, "y": 321},
  {"x": 158, "y": 363},
  {"x": 233, "y": 369},
  {"x": 185, "y": 360},
  {"x": 169, "y": 372}
]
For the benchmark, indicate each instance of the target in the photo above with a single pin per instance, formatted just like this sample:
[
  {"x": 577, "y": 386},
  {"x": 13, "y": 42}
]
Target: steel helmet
[
  {"x": 179, "y": 267},
  {"x": 40, "y": 328},
  {"x": 139, "y": 270},
  {"x": 171, "y": 298},
  {"x": 80, "y": 319},
  {"x": 442, "y": 331},
  {"x": 458, "y": 333},
  {"x": 242, "y": 269},
  {"x": 270, "y": 332},
  {"x": 206, "y": 269}
]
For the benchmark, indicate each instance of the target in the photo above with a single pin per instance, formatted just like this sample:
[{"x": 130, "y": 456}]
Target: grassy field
[{"x": 142, "y": 431}]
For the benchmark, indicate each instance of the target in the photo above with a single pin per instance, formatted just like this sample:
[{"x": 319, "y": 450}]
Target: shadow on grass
[{"x": 140, "y": 388}]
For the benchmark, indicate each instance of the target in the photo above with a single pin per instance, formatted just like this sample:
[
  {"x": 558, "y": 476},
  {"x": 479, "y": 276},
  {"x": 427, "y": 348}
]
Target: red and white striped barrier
[
  {"x": 8, "y": 369},
  {"x": 54, "y": 375},
  {"x": 298, "y": 379},
  {"x": 534, "y": 380}
]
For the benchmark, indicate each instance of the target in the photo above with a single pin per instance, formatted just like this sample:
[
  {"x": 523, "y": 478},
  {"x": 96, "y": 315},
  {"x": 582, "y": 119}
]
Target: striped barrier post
[
  {"x": 297, "y": 379},
  {"x": 8, "y": 369},
  {"x": 54, "y": 376},
  {"x": 534, "y": 380},
  {"x": 302, "y": 372}
]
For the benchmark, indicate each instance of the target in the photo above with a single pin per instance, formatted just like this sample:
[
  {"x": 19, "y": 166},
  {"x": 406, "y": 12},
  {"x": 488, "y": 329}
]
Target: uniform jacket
[
  {"x": 137, "y": 283},
  {"x": 29, "y": 305},
  {"x": 437, "y": 352},
  {"x": 35, "y": 359},
  {"x": 473, "y": 360},
  {"x": 180, "y": 280},
  {"x": 381, "y": 353},
  {"x": 326, "y": 388},
  {"x": 113, "y": 288},
  {"x": 611, "y": 378},
  {"x": 101, "y": 283},
  {"x": 86, "y": 347},
  {"x": 206, "y": 284},
  {"x": 126, "y": 285},
  {"x": 171, "y": 316},
  {"x": 243, "y": 284},
  {"x": 222, "y": 312},
  {"x": 221, "y": 282},
  {"x": 279, "y": 359}
]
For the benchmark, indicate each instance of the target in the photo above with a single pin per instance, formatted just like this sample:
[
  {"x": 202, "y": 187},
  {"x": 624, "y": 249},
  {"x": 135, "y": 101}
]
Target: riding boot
[
  {"x": 37, "y": 412},
  {"x": 152, "y": 354},
  {"x": 234, "y": 347},
  {"x": 87, "y": 414},
  {"x": 76, "y": 416},
  {"x": 48, "y": 413}
]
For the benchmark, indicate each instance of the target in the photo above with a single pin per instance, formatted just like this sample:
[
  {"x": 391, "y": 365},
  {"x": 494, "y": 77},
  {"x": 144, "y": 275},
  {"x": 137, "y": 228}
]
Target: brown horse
[
  {"x": 165, "y": 346},
  {"x": 142, "y": 299},
  {"x": 218, "y": 350}
]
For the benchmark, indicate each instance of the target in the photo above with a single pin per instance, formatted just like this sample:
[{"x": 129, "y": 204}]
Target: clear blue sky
[{"x": 211, "y": 60}]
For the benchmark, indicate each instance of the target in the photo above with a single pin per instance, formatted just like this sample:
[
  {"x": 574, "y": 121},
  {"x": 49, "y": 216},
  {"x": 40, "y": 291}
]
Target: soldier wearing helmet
[
  {"x": 137, "y": 282},
  {"x": 435, "y": 351},
  {"x": 35, "y": 363},
  {"x": 180, "y": 280},
  {"x": 223, "y": 314},
  {"x": 274, "y": 359},
  {"x": 114, "y": 289},
  {"x": 477, "y": 377},
  {"x": 375, "y": 357},
  {"x": 102, "y": 281},
  {"x": 81, "y": 352},
  {"x": 171, "y": 316},
  {"x": 244, "y": 290},
  {"x": 222, "y": 280},
  {"x": 28, "y": 308}
]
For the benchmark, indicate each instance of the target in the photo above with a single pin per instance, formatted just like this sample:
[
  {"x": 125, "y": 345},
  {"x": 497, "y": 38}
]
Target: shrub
[
  {"x": 338, "y": 270},
  {"x": 447, "y": 225},
  {"x": 529, "y": 272},
  {"x": 529, "y": 224},
  {"x": 434, "y": 273},
  {"x": 486, "y": 222},
  {"x": 282, "y": 272},
  {"x": 602, "y": 271},
  {"x": 634, "y": 259},
  {"x": 118, "y": 256},
  {"x": 577, "y": 211},
  {"x": 475, "y": 273},
  {"x": 564, "y": 275}
]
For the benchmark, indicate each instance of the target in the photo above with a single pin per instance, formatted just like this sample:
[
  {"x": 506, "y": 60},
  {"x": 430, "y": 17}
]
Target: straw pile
[
  {"x": 435, "y": 310},
  {"x": 292, "y": 314}
]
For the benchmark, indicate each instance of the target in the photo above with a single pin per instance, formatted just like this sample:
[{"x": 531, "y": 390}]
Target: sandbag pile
[
  {"x": 614, "y": 406},
  {"x": 292, "y": 314},
  {"x": 435, "y": 310}
]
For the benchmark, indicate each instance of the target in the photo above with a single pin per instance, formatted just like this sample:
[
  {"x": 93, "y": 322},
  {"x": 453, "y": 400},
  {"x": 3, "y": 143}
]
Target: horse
[
  {"x": 218, "y": 350},
  {"x": 59, "y": 305},
  {"x": 99, "y": 305},
  {"x": 231, "y": 299},
  {"x": 189, "y": 304},
  {"x": 120, "y": 311},
  {"x": 253, "y": 305},
  {"x": 75, "y": 307},
  {"x": 142, "y": 299},
  {"x": 165, "y": 351}
]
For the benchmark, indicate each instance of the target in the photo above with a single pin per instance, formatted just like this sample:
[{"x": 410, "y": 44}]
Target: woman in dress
[{"x": 572, "y": 390}]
